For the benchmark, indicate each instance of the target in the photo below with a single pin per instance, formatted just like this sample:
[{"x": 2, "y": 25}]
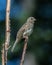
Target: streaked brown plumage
[{"x": 26, "y": 29}]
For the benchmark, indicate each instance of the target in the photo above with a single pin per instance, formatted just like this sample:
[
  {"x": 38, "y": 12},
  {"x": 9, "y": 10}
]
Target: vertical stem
[
  {"x": 24, "y": 51},
  {"x": 7, "y": 22},
  {"x": 7, "y": 40},
  {"x": 3, "y": 59}
]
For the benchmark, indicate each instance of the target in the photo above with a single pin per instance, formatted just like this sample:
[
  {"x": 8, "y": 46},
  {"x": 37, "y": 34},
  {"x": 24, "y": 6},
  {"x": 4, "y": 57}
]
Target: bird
[{"x": 25, "y": 30}]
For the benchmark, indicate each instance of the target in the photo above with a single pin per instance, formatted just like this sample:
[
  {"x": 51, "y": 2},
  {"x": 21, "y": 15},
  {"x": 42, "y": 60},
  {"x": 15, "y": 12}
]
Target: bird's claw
[{"x": 26, "y": 38}]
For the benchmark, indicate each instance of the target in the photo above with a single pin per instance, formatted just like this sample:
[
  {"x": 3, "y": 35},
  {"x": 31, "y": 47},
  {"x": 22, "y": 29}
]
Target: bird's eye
[{"x": 31, "y": 18}]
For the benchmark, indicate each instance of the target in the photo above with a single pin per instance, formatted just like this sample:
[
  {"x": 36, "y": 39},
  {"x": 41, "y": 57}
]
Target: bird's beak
[{"x": 34, "y": 20}]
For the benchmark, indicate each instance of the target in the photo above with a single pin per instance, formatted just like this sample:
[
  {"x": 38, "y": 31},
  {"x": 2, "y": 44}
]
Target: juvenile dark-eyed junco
[{"x": 25, "y": 30}]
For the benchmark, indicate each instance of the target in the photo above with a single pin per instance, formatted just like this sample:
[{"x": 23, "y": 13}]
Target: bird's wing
[{"x": 27, "y": 32}]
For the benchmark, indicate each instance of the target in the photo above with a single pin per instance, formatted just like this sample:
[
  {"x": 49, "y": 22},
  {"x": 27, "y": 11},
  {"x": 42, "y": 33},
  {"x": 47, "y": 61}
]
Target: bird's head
[{"x": 31, "y": 20}]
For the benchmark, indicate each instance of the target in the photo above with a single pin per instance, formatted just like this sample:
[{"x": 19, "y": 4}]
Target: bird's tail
[{"x": 14, "y": 45}]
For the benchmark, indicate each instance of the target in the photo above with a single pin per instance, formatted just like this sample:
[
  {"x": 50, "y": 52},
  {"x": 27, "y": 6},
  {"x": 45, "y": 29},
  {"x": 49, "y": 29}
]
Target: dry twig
[
  {"x": 3, "y": 59},
  {"x": 7, "y": 40},
  {"x": 24, "y": 50}
]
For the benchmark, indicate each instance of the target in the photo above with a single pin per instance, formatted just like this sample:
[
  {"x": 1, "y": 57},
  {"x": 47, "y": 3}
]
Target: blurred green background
[{"x": 40, "y": 42}]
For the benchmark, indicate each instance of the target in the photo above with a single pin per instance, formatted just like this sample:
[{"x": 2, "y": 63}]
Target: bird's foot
[{"x": 26, "y": 38}]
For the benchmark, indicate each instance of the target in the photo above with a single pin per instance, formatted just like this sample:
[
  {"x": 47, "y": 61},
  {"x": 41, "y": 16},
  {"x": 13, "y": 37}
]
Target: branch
[
  {"x": 24, "y": 50},
  {"x": 7, "y": 40},
  {"x": 3, "y": 59},
  {"x": 7, "y": 23}
]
